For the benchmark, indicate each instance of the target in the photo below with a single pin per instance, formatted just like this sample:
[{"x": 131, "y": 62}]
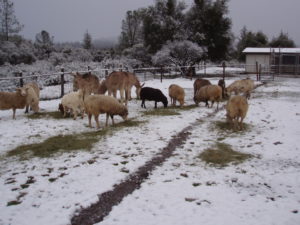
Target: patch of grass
[
  {"x": 54, "y": 115},
  {"x": 162, "y": 112},
  {"x": 226, "y": 126},
  {"x": 222, "y": 154},
  {"x": 67, "y": 143},
  {"x": 184, "y": 107}
]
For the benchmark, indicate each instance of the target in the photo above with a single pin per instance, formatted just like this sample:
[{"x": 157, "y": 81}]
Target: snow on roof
[{"x": 268, "y": 50}]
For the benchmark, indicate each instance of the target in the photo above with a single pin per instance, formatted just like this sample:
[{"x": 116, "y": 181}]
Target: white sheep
[
  {"x": 176, "y": 93},
  {"x": 13, "y": 100},
  {"x": 32, "y": 99},
  {"x": 244, "y": 87},
  {"x": 209, "y": 93},
  {"x": 236, "y": 108},
  {"x": 97, "y": 104},
  {"x": 73, "y": 102}
]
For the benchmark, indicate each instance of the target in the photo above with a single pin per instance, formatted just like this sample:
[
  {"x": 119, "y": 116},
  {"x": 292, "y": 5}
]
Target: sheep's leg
[
  {"x": 75, "y": 114},
  {"x": 143, "y": 104},
  {"x": 212, "y": 103},
  {"x": 155, "y": 104},
  {"x": 106, "y": 122},
  {"x": 112, "y": 119},
  {"x": 26, "y": 109},
  {"x": 90, "y": 118},
  {"x": 96, "y": 116}
]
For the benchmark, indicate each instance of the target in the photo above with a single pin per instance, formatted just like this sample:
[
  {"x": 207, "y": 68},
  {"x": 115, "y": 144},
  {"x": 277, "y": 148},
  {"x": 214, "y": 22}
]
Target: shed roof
[{"x": 268, "y": 50}]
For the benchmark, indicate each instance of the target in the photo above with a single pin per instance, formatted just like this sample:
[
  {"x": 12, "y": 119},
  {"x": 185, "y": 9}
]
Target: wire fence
[{"x": 56, "y": 84}]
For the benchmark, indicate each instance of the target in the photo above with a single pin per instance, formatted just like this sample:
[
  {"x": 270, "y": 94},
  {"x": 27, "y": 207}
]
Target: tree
[
  {"x": 207, "y": 25},
  {"x": 163, "y": 22},
  {"x": 250, "y": 39},
  {"x": 8, "y": 21},
  {"x": 87, "y": 41},
  {"x": 282, "y": 40},
  {"x": 182, "y": 54},
  {"x": 132, "y": 29},
  {"x": 44, "y": 43}
]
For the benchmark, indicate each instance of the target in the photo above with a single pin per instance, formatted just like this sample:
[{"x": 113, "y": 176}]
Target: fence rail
[{"x": 59, "y": 78}]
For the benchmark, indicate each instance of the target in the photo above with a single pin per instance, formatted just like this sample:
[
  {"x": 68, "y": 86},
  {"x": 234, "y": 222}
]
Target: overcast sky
[{"x": 68, "y": 20}]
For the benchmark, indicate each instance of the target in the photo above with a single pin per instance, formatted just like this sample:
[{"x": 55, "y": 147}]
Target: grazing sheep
[
  {"x": 176, "y": 93},
  {"x": 13, "y": 100},
  {"x": 97, "y": 104},
  {"x": 236, "y": 108},
  {"x": 221, "y": 83},
  {"x": 244, "y": 86},
  {"x": 199, "y": 83},
  {"x": 209, "y": 93},
  {"x": 34, "y": 101},
  {"x": 72, "y": 103},
  {"x": 152, "y": 94}
]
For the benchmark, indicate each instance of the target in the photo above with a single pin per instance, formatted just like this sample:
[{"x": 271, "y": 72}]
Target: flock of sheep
[{"x": 88, "y": 96}]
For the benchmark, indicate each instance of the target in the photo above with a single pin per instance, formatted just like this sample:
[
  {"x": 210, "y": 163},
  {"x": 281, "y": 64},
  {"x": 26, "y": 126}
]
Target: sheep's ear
[{"x": 72, "y": 74}]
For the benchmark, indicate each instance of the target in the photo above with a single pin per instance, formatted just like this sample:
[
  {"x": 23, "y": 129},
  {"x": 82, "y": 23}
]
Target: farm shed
[{"x": 275, "y": 60}]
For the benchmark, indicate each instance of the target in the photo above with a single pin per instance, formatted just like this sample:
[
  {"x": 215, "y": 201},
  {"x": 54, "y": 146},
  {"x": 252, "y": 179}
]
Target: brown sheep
[
  {"x": 236, "y": 108},
  {"x": 34, "y": 102},
  {"x": 97, "y": 104},
  {"x": 176, "y": 93},
  {"x": 209, "y": 93},
  {"x": 13, "y": 100},
  {"x": 199, "y": 83}
]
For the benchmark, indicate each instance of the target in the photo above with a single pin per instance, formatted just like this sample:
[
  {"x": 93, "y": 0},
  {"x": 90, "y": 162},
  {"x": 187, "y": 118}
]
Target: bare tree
[{"x": 8, "y": 21}]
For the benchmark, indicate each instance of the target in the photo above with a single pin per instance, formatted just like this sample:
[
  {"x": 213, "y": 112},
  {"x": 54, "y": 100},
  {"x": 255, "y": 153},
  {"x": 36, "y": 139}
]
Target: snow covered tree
[
  {"x": 163, "y": 22},
  {"x": 207, "y": 25},
  {"x": 132, "y": 29},
  {"x": 182, "y": 54},
  {"x": 87, "y": 41},
  {"x": 44, "y": 43},
  {"x": 8, "y": 22},
  {"x": 282, "y": 40}
]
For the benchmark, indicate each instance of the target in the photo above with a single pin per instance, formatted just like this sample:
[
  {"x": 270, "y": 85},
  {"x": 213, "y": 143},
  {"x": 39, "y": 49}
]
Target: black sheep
[{"x": 152, "y": 94}]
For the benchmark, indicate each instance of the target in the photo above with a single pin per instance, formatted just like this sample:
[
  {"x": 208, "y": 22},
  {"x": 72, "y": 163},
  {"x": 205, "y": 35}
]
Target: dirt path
[{"x": 97, "y": 211}]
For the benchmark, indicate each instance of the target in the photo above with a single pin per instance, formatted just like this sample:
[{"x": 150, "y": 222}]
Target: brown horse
[{"x": 122, "y": 81}]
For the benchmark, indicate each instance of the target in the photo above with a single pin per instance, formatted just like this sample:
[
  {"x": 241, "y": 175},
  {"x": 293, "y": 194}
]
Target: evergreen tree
[
  {"x": 163, "y": 22},
  {"x": 282, "y": 40},
  {"x": 43, "y": 42},
  {"x": 87, "y": 41},
  {"x": 8, "y": 21},
  {"x": 250, "y": 39},
  {"x": 207, "y": 25}
]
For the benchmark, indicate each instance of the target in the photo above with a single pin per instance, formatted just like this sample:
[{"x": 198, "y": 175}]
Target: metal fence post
[{"x": 62, "y": 82}]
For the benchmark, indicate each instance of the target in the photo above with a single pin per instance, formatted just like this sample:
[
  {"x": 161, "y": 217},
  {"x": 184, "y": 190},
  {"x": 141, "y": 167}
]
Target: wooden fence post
[
  {"x": 62, "y": 82},
  {"x": 161, "y": 74},
  {"x": 21, "y": 79},
  {"x": 257, "y": 72},
  {"x": 223, "y": 65}
]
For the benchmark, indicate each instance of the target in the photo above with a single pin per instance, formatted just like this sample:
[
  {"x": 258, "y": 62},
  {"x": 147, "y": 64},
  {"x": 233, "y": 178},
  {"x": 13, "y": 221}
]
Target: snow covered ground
[{"x": 184, "y": 190}]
